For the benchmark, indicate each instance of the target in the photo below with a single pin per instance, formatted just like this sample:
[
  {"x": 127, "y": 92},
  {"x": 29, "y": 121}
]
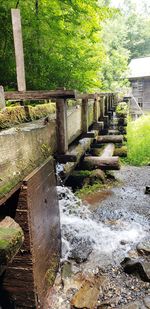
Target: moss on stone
[
  {"x": 18, "y": 114},
  {"x": 11, "y": 239},
  {"x": 88, "y": 189}
]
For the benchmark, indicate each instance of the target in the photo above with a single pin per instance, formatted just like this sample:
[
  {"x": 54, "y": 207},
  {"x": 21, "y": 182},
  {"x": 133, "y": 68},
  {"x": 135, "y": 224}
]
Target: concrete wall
[{"x": 26, "y": 146}]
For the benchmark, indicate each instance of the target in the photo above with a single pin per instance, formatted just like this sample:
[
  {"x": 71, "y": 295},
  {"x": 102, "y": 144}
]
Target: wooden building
[{"x": 139, "y": 75}]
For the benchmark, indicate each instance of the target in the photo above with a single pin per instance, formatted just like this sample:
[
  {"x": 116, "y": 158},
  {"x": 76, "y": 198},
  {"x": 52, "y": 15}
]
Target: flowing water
[{"x": 98, "y": 236}]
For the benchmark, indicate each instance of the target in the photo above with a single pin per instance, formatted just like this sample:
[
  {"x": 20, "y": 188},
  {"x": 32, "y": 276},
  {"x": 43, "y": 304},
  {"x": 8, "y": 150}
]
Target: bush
[
  {"x": 138, "y": 135},
  {"x": 122, "y": 109}
]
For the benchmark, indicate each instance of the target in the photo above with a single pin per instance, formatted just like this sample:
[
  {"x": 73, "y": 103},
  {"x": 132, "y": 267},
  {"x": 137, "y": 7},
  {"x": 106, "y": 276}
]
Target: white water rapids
[{"x": 105, "y": 242}]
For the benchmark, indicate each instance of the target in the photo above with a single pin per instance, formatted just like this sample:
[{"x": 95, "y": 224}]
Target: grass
[
  {"x": 89, "y": 189},
  {"x": 138, "y": 135}
]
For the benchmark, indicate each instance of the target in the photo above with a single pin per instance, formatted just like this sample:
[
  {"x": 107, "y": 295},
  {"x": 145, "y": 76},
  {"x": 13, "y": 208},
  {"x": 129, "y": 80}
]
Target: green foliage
[
  {"x": 62, "y": 43},
  {"x": 89, "y": 189},
  {"x": 138, "y": 134},
  {"x": 122, "y": 108}
]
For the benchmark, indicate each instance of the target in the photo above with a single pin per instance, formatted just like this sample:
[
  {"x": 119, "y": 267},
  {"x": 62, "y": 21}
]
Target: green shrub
[
  {"x": 138, "y": 134},
  {"x": 122, "y": 108}
]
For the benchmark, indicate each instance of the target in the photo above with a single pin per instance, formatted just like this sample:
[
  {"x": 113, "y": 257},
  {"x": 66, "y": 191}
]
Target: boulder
[
  {"x": 88, "y": 294},
  {"x": 138, "y": 267},
  {"x": 81, "y": 249}
]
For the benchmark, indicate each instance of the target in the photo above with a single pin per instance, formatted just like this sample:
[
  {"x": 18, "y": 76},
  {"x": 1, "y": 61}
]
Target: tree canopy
[{"x": 84, "y": 45}]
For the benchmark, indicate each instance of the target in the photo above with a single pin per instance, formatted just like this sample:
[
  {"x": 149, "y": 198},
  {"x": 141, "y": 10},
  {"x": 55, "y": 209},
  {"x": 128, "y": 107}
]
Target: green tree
[{"x": 62, "y": 43}]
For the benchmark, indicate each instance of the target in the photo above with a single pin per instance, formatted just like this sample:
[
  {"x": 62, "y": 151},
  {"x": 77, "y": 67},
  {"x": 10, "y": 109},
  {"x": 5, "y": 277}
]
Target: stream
[{"x": 97, "y": 235}]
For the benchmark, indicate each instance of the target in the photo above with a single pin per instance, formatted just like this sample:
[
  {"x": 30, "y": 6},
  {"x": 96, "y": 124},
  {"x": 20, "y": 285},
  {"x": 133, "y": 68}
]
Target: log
[
  {"x": 108, "y": 151},
  {"x": 11, "y": 239},
  {"x": 109, "y": 163},
  {"x": 110, "y": 139}
]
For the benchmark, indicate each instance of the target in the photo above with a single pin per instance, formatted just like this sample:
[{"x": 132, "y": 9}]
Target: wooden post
[
  {"x": 2, "y": 98},
  {"x": 102, "y": 111},
  {"x": 84, "y": 115},
  {"x": 61, "y": 123},
  {"x": 18, "y": 44},
  {"x": 95, "y": 110},
  {"x": 106, "y": 104}
]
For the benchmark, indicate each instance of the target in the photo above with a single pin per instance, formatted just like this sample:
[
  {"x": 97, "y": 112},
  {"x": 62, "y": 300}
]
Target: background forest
[{"x": 84, "y": 45}]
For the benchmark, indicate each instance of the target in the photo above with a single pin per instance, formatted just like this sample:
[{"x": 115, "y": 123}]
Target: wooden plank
[
  {"x": 66, "y": 158},
  {"x": 95, "y": 110},
  {"x": 84, "y": 115},
  {"x": 91, "y": 134},
  {"x": 61, "y": 123},
  {"x": 32, "y": 272},
  {"x": 18, "y": 44},
  {"x": 2, "y": 98},
  {"x": 39, "y": 95},
  {"x": 106, "y": 104},
  {"x": 83, "y": 96},
  {"x": 102, "y": 110},
  {"x": 108, "y": 151}
]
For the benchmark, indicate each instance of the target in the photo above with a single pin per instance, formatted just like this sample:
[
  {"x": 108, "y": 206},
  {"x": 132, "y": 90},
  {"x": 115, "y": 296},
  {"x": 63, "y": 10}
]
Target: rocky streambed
[{"x": 105, "y": 246}]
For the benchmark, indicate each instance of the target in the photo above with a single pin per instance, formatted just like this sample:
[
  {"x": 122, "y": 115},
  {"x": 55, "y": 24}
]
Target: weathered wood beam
[
  {"x": 66, "y": 158},
  {"x": 18, "y": 43},
  {"x": 110, "y": 139},
  {"x": 84, "y": 115},
  {"x": 61, "y": 126},
  {"x": 102, "y": 108},
  {"x": 108, "y": 151},
  {"x": 39, "y": 95},
  {"x": 90, "y": 134},
  {"x": 109, "y": 163},
  {"x": 2, "y": 98},
  {"x": 83, "y": 96},
  {"x": 95, "y": 110}
]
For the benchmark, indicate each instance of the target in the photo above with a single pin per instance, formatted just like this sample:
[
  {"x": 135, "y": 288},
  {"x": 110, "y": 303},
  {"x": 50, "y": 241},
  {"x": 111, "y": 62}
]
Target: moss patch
[
  {"x": 10, "y": 242},
  {"x": 51, "y": 272},
  {"x": 19, "y": 114}
]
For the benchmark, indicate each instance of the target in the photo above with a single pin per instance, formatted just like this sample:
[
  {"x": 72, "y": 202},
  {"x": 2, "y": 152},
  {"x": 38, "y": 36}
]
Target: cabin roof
[{"x": 139, "y": 67}]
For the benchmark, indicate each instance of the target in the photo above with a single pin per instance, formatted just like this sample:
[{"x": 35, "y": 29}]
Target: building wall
[{"x": 141, "y": 92}]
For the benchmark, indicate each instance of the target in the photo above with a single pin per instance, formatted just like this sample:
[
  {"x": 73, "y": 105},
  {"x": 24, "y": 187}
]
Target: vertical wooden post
[
  {"x": 84, "y": 115},
  {"x": 95, "y": 110},
  {"x": 102, "y": 101},
  {"x": 2, "y": 98},
  {"x": 106, "y": 104},
  {"x": 61, "y": 124},
  {"x": 18, "y": 44},
  {"x": 109, "y": 102}
]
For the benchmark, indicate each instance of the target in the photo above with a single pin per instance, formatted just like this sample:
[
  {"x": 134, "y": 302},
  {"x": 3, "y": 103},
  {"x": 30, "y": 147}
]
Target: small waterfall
[{"x": 83, "y": 232}]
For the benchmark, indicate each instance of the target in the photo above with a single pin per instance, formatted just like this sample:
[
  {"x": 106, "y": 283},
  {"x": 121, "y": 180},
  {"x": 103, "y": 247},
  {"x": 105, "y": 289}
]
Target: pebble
[{"x": 147, "y": 302}]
